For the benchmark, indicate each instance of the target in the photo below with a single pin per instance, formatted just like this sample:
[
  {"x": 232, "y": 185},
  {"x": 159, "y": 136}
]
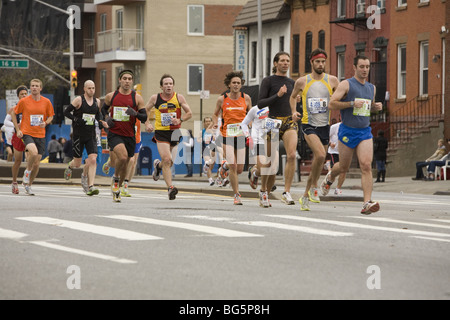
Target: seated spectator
[
  {"x": 437, "y": 155},
  {"x": 432, "y": 167}
]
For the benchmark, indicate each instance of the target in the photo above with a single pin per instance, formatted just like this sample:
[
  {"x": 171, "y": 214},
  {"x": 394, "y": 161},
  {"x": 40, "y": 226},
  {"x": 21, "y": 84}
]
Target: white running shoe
[
  {"x": 325, "y": 185},
  {"x": 26, "y": 177},
  {"x": 304, "y": 203},
  {"x": 313, "y": 194},
  {"x": 211, "y": 182},
  {"x": 28, "y": 190},
  {"x": 264, "y": 199},
  {"x": 337, "y": 191},
  {"x": 84, "y": 183},
  {"x": 156, "y": 169},
  {"x": 286, "y": 198},
  {"x": 370, "y": 207}
]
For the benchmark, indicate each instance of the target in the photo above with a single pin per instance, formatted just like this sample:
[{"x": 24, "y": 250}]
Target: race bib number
[
  {"x": 317, "y": 105},
  {"x": 208, "y": 138},
  {"x": 364, "y": 111},
  {"x": 36, "y": 119},
  {"x": 120, "y": 115},
  {"x": 166, "y": 118},
  {"x": 234, "y": 130},
  {"x": 89, "y": 118},
  {"x": 272, "y": 124}
]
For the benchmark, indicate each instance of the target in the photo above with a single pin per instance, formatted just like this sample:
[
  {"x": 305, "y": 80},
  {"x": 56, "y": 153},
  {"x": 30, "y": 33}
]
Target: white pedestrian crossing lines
[{"x": 263, "y": 225}]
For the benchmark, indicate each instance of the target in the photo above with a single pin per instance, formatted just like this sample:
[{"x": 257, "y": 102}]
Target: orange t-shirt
[
  {"x": 33, "y": 112},
  {"x": 233, "y": 113}
]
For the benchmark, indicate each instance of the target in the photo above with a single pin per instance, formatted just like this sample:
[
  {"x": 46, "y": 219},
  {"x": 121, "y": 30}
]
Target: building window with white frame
[
  {"x": 381, "y": 4},
  {"x": 102, "y": 82},
  {"x": 402, "y": 3},
  {"x": 195, "y": 78},
  {"x": 361, "y": 7},
  {"x": 195, "y": 20},
  {"x": 341, "y": 9},
  {"x": 341, "y": 66},
  {"x": 423, "y": 88},
  {"x": 401, "y": 71},
  {"x": 254, "y": 59}
]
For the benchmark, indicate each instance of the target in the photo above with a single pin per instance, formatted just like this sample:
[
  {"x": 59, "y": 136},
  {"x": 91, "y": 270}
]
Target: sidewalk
[{"x": 351, "y": 189}]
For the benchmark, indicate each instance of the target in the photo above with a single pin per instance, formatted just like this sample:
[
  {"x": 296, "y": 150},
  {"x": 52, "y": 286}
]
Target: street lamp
[{"x": 69, "y": 12}]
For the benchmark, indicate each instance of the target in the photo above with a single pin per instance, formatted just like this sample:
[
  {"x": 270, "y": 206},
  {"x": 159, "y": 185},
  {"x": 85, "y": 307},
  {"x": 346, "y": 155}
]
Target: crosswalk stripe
[
  {"x": 403, "y": 221},
  {"x": 91, "y": 228},
  {"x": 189, "y": 226},
  {"x": 82, "y": 252},
  {"x": 10, "y": 234},
  {"x": 441, "y": 220},
  {"x": 433, "y": 239},
  {"x": 362, "y": 226},
  {"x": 294, "y": 228}
]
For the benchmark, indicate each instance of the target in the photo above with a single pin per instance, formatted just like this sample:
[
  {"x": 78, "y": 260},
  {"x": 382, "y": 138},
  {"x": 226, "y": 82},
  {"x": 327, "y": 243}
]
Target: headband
[
  {"x": 319, "y": 55},
  {"x": 20, "y": 89},
  {"x": 126, "y": 72}
]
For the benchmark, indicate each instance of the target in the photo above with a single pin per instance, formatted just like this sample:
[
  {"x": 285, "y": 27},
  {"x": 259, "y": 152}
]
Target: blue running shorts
[{"x": 351, "y": 137}]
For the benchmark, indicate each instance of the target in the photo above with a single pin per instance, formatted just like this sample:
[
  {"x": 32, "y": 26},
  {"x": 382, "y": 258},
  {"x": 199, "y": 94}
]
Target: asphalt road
[{"x": 61, "y": 244}]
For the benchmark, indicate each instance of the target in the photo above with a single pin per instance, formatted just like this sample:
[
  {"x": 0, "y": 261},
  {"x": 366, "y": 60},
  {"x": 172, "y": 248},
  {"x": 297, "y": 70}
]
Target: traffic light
[{"x": 74, "y": 79}]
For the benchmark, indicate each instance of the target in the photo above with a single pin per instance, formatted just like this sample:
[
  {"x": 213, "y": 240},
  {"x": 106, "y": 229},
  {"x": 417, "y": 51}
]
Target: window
[
  {"x": 341, "y": 9},
  {"x": 195, "y": 20},
  {"x": 424, "y": 1},
  {"x": 361, "y": 7},
  {"x": 381, "y": 4},
  {"x": 195, "y": 78},
  {"x": 308, "y": 50},
  {"x": 341, "y": 66},
  {"x": 102, "y": 83},
  {"x": 281, "y": 44},
  {"x": 423, "y": 68},
  {"x": 103, "y": 22},
  {"x": 402, "y": 3},
  {"x": 401, "y": 72},
  {"x": 322, "y": 39},
  {"x": 268, "y": 56},
  {"x": 296, "y": 53},
  {"x": 254, "y": 59}
]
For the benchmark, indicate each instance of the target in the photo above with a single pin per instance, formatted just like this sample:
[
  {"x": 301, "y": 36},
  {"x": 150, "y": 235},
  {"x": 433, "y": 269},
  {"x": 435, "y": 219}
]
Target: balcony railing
[
  {"x": 120, "y": 39},
  {"x": 89, "y": 48}
]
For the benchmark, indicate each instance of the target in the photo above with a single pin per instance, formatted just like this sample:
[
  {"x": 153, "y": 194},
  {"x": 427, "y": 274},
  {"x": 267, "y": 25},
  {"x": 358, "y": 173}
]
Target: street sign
[{"x": 14, "y": 63}]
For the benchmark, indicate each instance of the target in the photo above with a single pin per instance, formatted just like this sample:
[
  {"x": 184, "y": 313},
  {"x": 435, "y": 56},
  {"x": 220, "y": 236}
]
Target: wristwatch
[{"x": 352, "y": 103}]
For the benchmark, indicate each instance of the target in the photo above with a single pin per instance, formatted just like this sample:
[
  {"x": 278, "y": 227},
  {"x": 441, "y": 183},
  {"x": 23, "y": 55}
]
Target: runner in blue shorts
[{"x": 355, "y": 98}]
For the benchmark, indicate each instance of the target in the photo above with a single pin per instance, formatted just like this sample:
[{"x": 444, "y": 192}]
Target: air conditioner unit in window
[{"x": 360, "y": 8}]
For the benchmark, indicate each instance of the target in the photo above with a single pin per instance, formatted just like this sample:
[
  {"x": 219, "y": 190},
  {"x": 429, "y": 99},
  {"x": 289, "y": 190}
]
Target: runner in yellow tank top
[{"x": 233, "y": 107}]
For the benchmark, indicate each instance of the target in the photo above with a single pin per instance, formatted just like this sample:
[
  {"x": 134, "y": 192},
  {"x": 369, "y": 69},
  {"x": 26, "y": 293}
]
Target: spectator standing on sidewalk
[{"x": 380, "y": 145}]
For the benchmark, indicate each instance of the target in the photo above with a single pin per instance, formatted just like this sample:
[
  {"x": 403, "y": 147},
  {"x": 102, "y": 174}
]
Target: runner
[
  {"x": 168, "y": 118},
  {"x": 316, "y": 89},
  {"x": 122, "y": 108},
  {"x": 355, "y": 98},
  {"x": 274, "y": 93},
  {"x": 133, "y": 161},
  {"x": 256, "y": 137},
  {"x": 83, "y": 112},
  {"x": 16, "y": 143},
  {"x": 233, "y": 107},
  {"x": 208, "y": 144},
  {"x": 37, "y": 113},
  {"x": 333, "y": 151}
]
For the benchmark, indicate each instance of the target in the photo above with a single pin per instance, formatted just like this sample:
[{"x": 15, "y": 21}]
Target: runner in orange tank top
[{"x": 233, "y": 107}]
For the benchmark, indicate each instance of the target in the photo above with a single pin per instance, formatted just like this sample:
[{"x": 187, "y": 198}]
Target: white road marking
[
  {"x": 402, "y": 221},
  {"x": 92, "y": 228},
  {"x": 433, "y": 239},
  {"x": 10, "y": 234},
  {"x": 189, "y": 226},
  {"x": 82, "y": 252},
  {"x": 362, "y": 226}
]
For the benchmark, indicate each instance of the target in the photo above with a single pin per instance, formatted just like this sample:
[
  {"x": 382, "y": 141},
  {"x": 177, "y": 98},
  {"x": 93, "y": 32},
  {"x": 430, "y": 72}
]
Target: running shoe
[
  {"x": 219, "y": 181},
  {"x": 116, "y": 197},
  {"x": 225, "y": 182},
  {"x": 237, "y": 199},
  {"x": 156, "y": 169},
  {"x": 205, "y": 168},
  {"x": 28, "y": 190},
  {"x": 264, "y": 199},
  {"x": 253, "y": 179},
  {"x": 26, "y": 177},
  {"x": 337, "y": 191},
  {"x": 172, "y": 191},
  {"x": 274, "y": 187},
  {"x": 222, "y": 171},
  {"x": 124, "y": 191},
  {"x": 68, "y": 173},
  {"x": 84, "y": 183},
  {"x": 286, "y": 198},
  {"x": 92, "y": 191},
  {"x": 106, "y": 167},
  {"x": 304, "y": 203},
  {"x": 15, "y": 188},
  {"x": 314, "y": 195},
  {"x": 115, "y": 185},
  {"x": 325, "y": 185},
  {"x": 370, "y": 207},
  {"x": 211, "y": 182}
]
